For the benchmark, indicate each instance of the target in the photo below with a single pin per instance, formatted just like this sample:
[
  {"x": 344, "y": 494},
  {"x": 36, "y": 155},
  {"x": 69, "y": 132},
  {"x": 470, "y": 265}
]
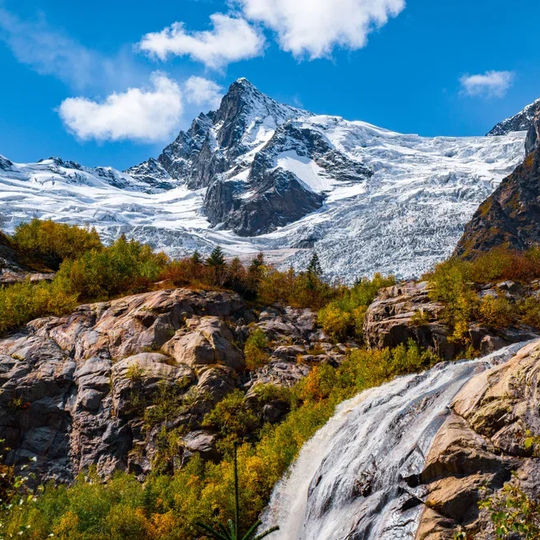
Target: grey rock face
[
  {"x": 520, "y": 122},
  {"x": 250, "y": 195},
  {"x": 91, "y": 388},
  {"x": 533, "y": 135},
  {"x": 271, "y": 196},
  {"x": 5, "y": 163},
  {"x": 151, "y": 172}
]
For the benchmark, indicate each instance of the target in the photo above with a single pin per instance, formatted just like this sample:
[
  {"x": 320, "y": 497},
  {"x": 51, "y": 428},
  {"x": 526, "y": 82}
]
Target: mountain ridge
[{"x": 259, "y": 175}]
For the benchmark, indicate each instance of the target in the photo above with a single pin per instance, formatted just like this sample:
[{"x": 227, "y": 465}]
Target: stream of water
[{"x": 349, "y": 481}]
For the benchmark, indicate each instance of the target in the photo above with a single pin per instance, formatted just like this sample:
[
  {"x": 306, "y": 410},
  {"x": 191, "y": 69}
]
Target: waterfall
[{"x": 349, "y": 481}]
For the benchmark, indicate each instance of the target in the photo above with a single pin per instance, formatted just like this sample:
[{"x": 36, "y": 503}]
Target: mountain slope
[
  {"x": 259, "y": 175},
  {"x": 521, "y": 121},
  {"x": 511, "y": 215}
]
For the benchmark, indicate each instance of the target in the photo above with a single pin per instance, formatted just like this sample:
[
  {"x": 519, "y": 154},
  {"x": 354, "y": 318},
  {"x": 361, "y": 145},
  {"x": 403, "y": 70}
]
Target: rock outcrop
[
  {"x": 100, "y": 387},
  {"x": 509, "y": 217},
  {"x": 406, "y": 312},
  {"x": 480, "y": 446}
]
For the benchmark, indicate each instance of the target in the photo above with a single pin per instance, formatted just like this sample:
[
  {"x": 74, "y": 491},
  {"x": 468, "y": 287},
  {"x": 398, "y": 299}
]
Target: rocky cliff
[
  {"x": 509, "y": 217},
  {"x": 101, "y": 386},
  {"x": 480, "y": 446}
]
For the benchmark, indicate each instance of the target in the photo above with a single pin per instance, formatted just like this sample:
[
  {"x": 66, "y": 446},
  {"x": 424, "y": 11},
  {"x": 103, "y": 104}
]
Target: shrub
[
  {"x": 496, "y": 311},
  {"x": 344, "y": 317},
  {"x": 52, "y": 242},
  {"x": 125, "y": 266},
  {"x": 255, "y": 349},
  {"x": 512, "y": 511},
  {"x": 233, "y": 420},
  {"x": 449, "y": 286},
  {"x": 24, "y": 301}
]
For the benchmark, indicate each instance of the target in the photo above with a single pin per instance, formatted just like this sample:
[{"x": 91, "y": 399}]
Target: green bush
[
  {"x": 512, "y": 511},
  {"x": 255, "y": 352},
  {"x": 51, "y": 243},
  {"x": 233, "y": 419},
  {"x": 124, "y": 267},
  {"x": 343, "y": 317},
  {"x": 450, "y": 286},
  {"x": 24, "y": 301}
]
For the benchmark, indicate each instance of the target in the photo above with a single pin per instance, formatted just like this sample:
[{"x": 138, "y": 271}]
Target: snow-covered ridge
[{"x": 368, "y": 199}]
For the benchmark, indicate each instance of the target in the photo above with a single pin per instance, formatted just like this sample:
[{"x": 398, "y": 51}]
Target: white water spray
[{"x": 349, "y": 481}]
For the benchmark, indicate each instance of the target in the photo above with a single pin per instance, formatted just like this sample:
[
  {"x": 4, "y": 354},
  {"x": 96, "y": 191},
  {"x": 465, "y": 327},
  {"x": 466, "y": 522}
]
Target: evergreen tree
[
  {"x": 314, "y": 267},
  {"x": 216, "y": 264},
  {"x": 216, "y": 259},
  {"x": 196, "y": 258}
]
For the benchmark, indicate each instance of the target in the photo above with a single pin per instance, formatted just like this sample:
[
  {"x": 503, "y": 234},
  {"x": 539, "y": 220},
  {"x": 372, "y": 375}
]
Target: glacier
[{"x": 391, "y": 202}]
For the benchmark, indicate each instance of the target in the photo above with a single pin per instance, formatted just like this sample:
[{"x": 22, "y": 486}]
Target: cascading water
[{"x": 349, "y": 481}]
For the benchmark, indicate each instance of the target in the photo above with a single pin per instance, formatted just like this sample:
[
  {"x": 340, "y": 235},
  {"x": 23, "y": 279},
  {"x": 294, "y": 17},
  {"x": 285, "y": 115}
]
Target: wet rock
[{"x": 480, "y": 445}]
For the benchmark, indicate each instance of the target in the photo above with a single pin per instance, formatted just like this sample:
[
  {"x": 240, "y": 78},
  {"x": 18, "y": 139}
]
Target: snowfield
[{"x": 402, "y": 219}]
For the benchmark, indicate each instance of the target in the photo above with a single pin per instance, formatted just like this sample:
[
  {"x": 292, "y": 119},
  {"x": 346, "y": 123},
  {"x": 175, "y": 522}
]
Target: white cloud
[
  {"x": 52, "y": 52},
  {"x": 138, "y": 114},
  {"x": 231, "y": 39},
  {"x": 315, "y": 27},
  {"x": 47, "y": 52},
  {"x": 488, "y": 84},
  {"x": 202, "y": 92}
]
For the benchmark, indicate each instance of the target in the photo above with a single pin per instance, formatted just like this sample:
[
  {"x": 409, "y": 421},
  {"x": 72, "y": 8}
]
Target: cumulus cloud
[
  {"x": 137, "y": 114},
  {"x": 230, "y": 39},
  {"x": 315, "y": 27},
  {"x": 488, "y": 84},
  {"x": 202, "y": 92}
]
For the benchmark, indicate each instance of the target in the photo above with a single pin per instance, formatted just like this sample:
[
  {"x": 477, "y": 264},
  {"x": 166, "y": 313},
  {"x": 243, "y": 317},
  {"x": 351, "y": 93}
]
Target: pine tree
[
  {"x": 314, "y": 267},
  {"x": 257, "y": 262},
  {"x": 216, "y": 259},
  {"x": 217, "y": 265},
  {"x": 196, "y": 258}
]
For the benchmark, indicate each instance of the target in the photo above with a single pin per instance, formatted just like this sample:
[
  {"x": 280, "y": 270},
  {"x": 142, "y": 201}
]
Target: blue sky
[{"x": 111, "y": 82}]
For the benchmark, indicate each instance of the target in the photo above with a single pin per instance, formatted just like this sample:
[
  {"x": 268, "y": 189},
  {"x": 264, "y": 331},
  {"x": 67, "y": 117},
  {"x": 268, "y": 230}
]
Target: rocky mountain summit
[
  {"x": 521, "y": 121},
  {"x": 91, "y": 388},
  {"x": 511, "y": 215},
  {"x": 260, "y": 175}
]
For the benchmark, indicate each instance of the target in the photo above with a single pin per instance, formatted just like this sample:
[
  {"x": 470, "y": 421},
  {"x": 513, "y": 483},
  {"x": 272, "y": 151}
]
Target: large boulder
[
  {"x": 405, "y": 311},
  {"x": 480, "y": 445}
]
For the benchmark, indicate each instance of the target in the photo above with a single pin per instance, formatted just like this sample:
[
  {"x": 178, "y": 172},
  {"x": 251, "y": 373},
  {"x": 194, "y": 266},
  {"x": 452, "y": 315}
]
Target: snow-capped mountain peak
[{"x": 259, "y": 175}]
